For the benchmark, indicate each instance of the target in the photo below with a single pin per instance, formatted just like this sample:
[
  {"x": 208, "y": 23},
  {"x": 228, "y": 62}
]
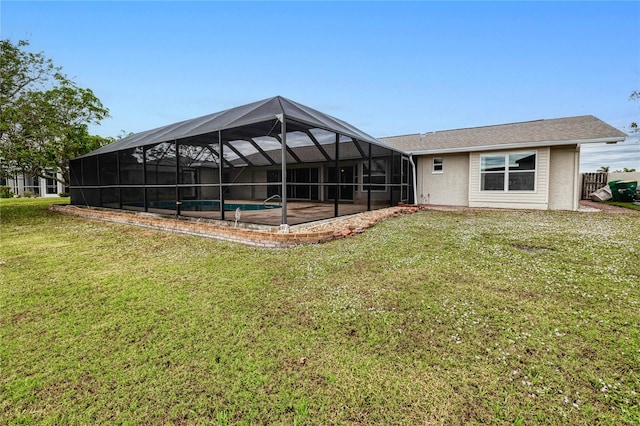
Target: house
[
  {"x": 527, "y": 165},
  {"x": 24, "y": 185},
  {"x": 276, "y": 162}
]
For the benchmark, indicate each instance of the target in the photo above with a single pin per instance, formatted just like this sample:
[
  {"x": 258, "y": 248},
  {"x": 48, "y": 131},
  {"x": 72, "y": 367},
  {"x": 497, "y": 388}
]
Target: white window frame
[
  {"x": 506, "y": 172},
  {"x": 437, "y": 161}
]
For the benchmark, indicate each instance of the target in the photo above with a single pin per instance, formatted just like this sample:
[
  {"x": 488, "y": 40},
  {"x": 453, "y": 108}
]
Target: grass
[
  {"x": 473, "y": 317},
  {"x": 624, "y": 204}
]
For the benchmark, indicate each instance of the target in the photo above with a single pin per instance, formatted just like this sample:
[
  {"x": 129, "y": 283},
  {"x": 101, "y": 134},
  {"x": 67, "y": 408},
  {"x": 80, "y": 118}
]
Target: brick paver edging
[{"x": 253, "y": 237}]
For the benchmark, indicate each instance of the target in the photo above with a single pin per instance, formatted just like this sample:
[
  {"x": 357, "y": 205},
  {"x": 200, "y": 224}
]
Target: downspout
[
  {"x": 576, "y": 180},
  {"x": 413, "y": 173}
]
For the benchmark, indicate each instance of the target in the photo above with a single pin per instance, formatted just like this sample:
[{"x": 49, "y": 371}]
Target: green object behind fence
[{"x": 623, "y": 190}]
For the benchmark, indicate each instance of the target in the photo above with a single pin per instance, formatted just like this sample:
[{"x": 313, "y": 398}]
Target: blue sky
[{"x": 388, "y": 68}]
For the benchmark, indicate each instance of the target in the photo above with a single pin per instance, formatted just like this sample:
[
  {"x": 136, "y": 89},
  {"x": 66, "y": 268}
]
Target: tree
[
  {"x": 627, "y": 170},
  {"x": 44, "y": 115},
  {"x": 635, "y": 96},
  {"x": 604, "y": 169}
]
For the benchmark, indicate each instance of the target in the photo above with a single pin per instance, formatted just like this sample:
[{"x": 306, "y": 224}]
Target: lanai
[{"x": 277, "y": 161}]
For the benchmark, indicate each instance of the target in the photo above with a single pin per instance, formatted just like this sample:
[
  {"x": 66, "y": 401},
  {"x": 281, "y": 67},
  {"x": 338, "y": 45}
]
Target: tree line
[
  {"x": 606, "y": 169},
  {"x": 44, "y": 115}
]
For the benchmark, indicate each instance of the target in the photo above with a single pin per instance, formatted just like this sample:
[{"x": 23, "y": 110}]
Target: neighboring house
[
  {"x": 528, "y": 165},
  {"x": 25, "y": 185}
]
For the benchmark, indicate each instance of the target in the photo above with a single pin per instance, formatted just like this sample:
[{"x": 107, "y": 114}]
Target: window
[
  {"x": 437, "y": 165},
  {"x": 377, "y": 177},
  {"x": 522, "y": 171},
  {"x": 515, "y": 171},
  {"x": 52, "y": 185},
  {"x": 31, "y": 184}
]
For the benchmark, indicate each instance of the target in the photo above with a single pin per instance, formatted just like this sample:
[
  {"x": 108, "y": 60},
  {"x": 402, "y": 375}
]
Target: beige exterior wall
[
  {"x": 449, "y": 188},
  {"x": 564, "y": 184},
  {"x": 536, "y": 199},
  {"x": 259, "y": 192},
  {"x": 210, "y": 176},
  {"x": 240, "y": 176},
  {"x": 623, "y": 176},
  {"x": 557, "y": 181}
]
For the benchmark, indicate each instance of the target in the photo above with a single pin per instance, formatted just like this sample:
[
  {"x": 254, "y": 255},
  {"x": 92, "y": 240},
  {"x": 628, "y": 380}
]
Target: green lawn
[
  {"x": 474, "y": 317},
  {"x": 624, "y": 204}
]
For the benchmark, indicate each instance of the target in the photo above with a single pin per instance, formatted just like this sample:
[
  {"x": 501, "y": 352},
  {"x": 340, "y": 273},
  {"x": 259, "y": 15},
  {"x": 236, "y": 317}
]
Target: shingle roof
[{"x": 581, "y": 129}]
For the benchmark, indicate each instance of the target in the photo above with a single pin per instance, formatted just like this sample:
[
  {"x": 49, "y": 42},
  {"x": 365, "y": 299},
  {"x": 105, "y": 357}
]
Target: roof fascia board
[{"x": 517, "y": 145}]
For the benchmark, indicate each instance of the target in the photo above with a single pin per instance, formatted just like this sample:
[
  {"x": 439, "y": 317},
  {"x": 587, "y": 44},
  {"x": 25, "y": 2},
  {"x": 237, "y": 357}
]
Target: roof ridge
[
  {"x": 511, "y": 124},
  {"x": 576, "y": 129},
  {"x": 401, "y": 136}
]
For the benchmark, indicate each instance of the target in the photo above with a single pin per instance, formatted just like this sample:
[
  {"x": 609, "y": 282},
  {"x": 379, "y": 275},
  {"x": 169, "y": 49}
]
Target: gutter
[{"x": 515, "y": 145}]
